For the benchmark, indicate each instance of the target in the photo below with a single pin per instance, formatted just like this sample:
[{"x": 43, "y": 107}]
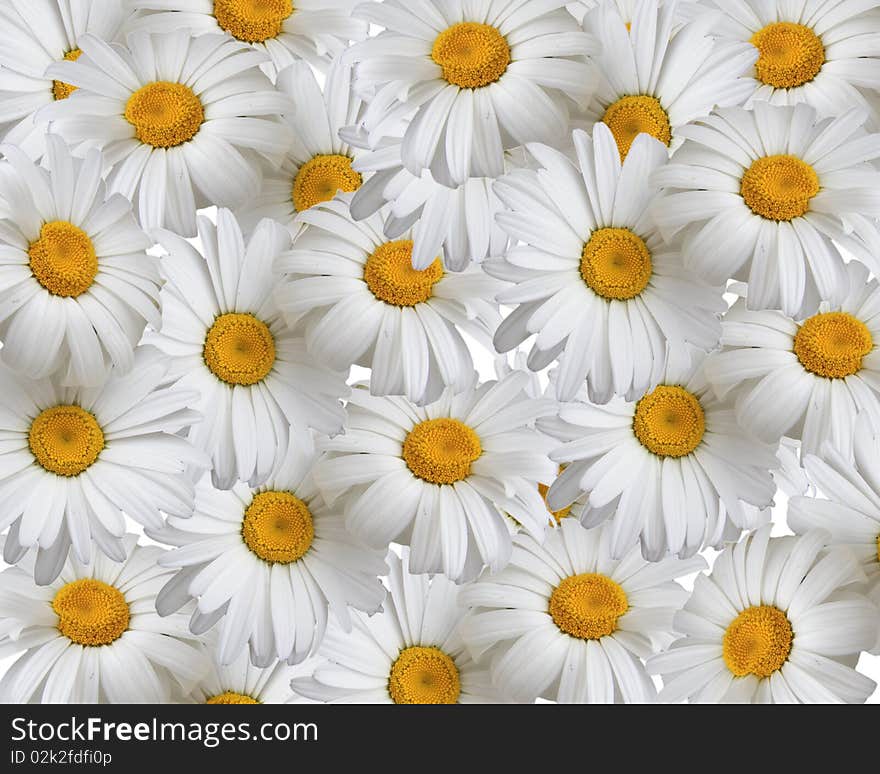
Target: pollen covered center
[
  {"x": 63, "y": 259},
  {"x": 758, "y": 641},
  {"x": 779, "y": 187},
  {"x": 253, "y": 21},
  {"x": 239, "y": 349},
  {"x": 789, "y": 55},
  {"x": 391, "y": 278},
  {"x": 562, "y": 513},
  {"x": 669, "y": 421},
  {"x": 60, "y": 89},
  {"x": 65, "y": 440},
  {"x": 231, "y": 697},
  {"x": 278, "y": 527},
  {"x": 832, "y": 344},
  {"x": 588, "y": 606},
  {"x": 616, "y": 263},
  {"x": 471, "y": 55},
  {"x": 424, "y": 675},
  {"x": 164, "y": 114},
  {"x": 91, "y": 612},
  {"x": 634, "y": 115},
  {"x": 441, "y": 451},
  {"x": 321, "y": 177}
]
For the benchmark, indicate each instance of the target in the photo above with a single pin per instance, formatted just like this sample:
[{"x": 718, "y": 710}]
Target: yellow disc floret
[
  {"x": 588, "y": 606},
  {"x": 253, "y": 21},
  {"x": 616, "y": 264},
  {"x": 231, "y": 697},
  {"x": 441, "y": 451},
  {"x": 391, "y": 278},
  {"x": 278, "y": 527},
  {"x": 424, "y": 675},
  {"x": 779, "y": 187},
  {"x": 758, "y": 641},
  {"x": 239, "y": 349},
  {"x": 60, "y": 89},
  {"x": 562, "y": 513},
  {"x": 669, "y": 421},
  {"x": 91, "y": 612},
  {"x": 63, "y": 259},
  {"x": 164, "y": 114},
  {"x": 634, "y": 115},
  {"x": 789, "y": 55},
  {"x": 65, "y": 440},
  {"x": 832, "y": 344},
  {"x": 321, "y": 177},
  {"x": 471, "y": 55}
]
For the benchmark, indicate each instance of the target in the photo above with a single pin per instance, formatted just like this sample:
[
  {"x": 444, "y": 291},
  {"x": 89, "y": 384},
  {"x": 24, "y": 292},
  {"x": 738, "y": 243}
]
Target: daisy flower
[
  {"x": 360, "y": 301},
  {"x": 566, "y": 621},
  {"x": 180, "y": 119},
  {"x": 268, "y": 563},
  {"x": 314, "y": 30},
  {"x": 33, "y": 35},
  {"x": 774, "y": 622},
  {"x": 440, "y": 477},
  {"x": 760, "y": 193},
  {"x": 93, "y": 635},
  {"x": 477, "y": 78},
  {"x": 410, "y": 653},
  {"x": 826, "y": 365},
  {"x": 74, "y": 458},
  {"x": 594, "y": 281},
  {"x": 681, "y": 472},
  {"x": 77, "y": 287},
  {"x": 657, "y": 75},
  {"x": 226, "y": 339},
  {"x": 243, "y": 683}
]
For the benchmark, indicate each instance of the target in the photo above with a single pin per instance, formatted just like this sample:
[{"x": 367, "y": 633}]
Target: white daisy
[
  {"x": 77, "y": 287},
  {"x": 594, "y": 281},
  {"x": 681, "y": 472},
  {"x": 314, "y": 30},
  {"x": 360, "y": 300},
  {"x": 268, "y": 564},
  {"x": 565, "y": 621},
  {"x": 93, "y": 635},
  {"x": 226, "y": 339},
  {"x": 826, "y": 365},
  {"x": 410, "y": 653},
  {"x": 33, "y": 35},
  {"x": 479, "y": 78},
  {"x": 243, "y": 683},
  {"x": 180, "y": 119},
  {"x": 657, "y": 74},
  {"x": 774, "y": 622},
  {"x": 760, "y": 193},
  {"x": 74, "y": 458},
  {"x": 440, "y": 477}
]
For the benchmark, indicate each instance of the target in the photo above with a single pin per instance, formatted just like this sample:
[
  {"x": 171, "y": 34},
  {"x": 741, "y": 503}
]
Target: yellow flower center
[
  {"x": 424, "y": 675},
  {"x": 441, "y": 451},
  {"x": 779, "y": 187},
  {"x": 278, "y": 527},
  {"x": 631, "y": 116},
  {"x": 164, "y": 114},
  {"x": 669, "y": 421},
  {"x": 616, "y": 264},
  {"x": 252, "y": 21},
  {"x": 757, "y": 642},
  {"x": 588, "y": 606},
  {"x": 239, "y": 349},
  {"x": 231, "y": 697},
  {"x": 789, "y": 55},
  {"x": 65, "y": 440},
  {"x": 557, "y": 515},
  {"x": 832, "y": 344},
  {"x": 91, "y": 612},
  {"x": 390, "y": 275},
  {"x": 471, "y": 55},
  {"x": 60, "y": 89},
  {"x": 320, "y": 178},
  {"x": 63, "y": 259}
]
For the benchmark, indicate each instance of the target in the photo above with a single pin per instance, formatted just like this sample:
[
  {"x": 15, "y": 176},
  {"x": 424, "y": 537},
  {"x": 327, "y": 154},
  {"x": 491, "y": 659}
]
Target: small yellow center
[
  {"x": 320, "y": 178},
  {"x": 441, "y": 451},
  {"x": 60, "y": 89},
  {"x": 557, "y": 515},
  {"x": 278, "y": 527},
  {"x": 164, "y": 114},
  {"x": 789, "y": 55},
  {"x": 63, "y": 259},
  {"x": 588, "y": 606},
  {"x": 424, "y": 675},
  {"x": 631, "y": 116},
  {"x": 65, "y": 440},
  {"x": 471, "y": 55},
  {"x": 779, "y": 187},
  {"x": 239, "y": 349},
  {"x": 91, "y": 612},
  {"x": 231, "y": 697},
  {"x": 616, "y": 264},
  {"x": 757, "y": 642},
  {"x": 390, "y": 275},
  {"x": 832, "y": 344},
  {"x": 253, "y": 21},
  {"x": 669, "y": 421}
]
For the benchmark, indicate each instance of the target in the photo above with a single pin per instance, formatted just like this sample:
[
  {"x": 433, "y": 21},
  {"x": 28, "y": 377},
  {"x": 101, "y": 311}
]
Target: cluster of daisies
[{"x": 251, "y": 253}]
